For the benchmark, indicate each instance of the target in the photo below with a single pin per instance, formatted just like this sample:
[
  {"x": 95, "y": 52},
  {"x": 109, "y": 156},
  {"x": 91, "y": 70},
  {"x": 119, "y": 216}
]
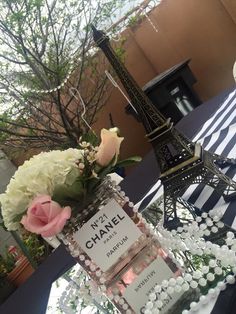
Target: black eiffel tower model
[{"x": 181, "y": 161}]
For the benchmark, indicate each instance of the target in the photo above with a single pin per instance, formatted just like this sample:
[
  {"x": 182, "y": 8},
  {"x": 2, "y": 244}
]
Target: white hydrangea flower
[{"x": 38, "y": 175}]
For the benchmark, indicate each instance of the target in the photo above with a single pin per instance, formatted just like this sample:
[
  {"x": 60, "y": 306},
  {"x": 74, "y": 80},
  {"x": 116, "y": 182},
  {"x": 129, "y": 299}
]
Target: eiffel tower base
[{"x": 201, "y": 171}]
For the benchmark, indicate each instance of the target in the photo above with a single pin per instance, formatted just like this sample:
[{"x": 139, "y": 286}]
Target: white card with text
[
  {"x": 137, "y": 293},
  {"x": 107, "y": 235}
]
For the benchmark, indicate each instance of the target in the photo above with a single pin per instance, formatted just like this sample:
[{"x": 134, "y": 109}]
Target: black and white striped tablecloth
[{"x": 218, "y": 135}]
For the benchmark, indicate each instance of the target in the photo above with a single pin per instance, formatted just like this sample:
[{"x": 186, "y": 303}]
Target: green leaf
[
  {"x": 108, "y": 169},
  {"x": 128, "y": 161},
  {"x": 73, "y": 193},
  {"x": 92, "y": 183}
]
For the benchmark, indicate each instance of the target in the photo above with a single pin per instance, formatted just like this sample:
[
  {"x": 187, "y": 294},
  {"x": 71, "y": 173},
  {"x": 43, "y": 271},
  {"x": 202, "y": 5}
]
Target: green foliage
[
  {"x": 120, "y": 52},
  {"x": 38, "y": 249},
  {"x": 41, "y": 42},
  {"x": 7, "y": 263},
  {"x": 65, "y": 195},
  {"x": 135, "y": 20},
  {"x": 129, "y": 161}
]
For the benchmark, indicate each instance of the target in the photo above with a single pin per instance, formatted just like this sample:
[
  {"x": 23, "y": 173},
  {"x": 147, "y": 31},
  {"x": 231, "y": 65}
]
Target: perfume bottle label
[
  {"x": 107, "y": 235},
  {"x": 137, "y": 293}
]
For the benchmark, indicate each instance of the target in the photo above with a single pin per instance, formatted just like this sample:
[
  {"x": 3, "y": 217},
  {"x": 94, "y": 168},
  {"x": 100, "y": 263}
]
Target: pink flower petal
[
  {"x": 45, "y": 216},
  {"x": 58, "y": 223}
]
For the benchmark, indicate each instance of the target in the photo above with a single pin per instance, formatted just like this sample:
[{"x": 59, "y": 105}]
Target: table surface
[{"x": 216, "y": 120}]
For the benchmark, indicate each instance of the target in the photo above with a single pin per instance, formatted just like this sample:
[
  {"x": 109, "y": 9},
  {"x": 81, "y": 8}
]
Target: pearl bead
[
  {"x": 92, "y": 267},
  {"x": 193, "y": 284},
  {"x": 125, "y": 306},
  {"x": 212, "y": 292},
  {"x": 152, "y": 296},
  {"x": 178, "y": 288},
  {"x": 149, "y": 305},
  {"x": 210, "y": 277},
  {"x": 180, "y": 280},
  {"x": 204, "y": 215},
  {"x": 205, "y": 269},
  {"x": 203, "y": 299},
  {"x": 198, "y": 219},
  {"x": 185, "y": 286},
  {"x": 173, "y": 232},
  {"x": 212, "y": 263},
  {"x": 216, "y": 218},
  {"x": 202, "y": 282},
  {"x": 230, "y": 279},
  {"x": 87, "y": 262},
  {"x": 214, "y": 229},
  {"x": 188, "y": 277},
  {"x": 221, "y": 285},
  {"x": 170, "y": 290},
  {"x": 98, "y": 273},
  {"x": 82, "y": 257},
  {"x": 203, "y": 226},
  {"x": 207, "y": 232},
  {"x": 121, "y": 301},
  {"x": 209, "y": 222},
  {"x": 197, "y": 274},
  {"x": 220, "y": 224},
  {"x": 229, "y": 241},
  {"x": 159, "y": 304},
  {"x": 172, "y": 282},
  {"x": 193, "y": 305},
  {"x": 230, "y": 235}
]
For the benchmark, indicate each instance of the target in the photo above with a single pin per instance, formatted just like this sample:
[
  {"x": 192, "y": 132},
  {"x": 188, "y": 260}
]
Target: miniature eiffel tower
[{"x": 181, "y": 161}]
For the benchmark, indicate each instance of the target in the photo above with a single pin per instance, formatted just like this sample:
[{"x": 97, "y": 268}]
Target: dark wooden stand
[{"x": 172, "y": 92}]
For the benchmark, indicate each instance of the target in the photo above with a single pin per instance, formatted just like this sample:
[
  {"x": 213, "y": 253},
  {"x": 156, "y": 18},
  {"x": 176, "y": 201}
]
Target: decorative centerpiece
[{"x": 68, "y": 194}]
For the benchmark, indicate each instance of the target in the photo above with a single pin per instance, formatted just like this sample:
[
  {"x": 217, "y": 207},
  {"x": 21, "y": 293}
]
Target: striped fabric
[{"x": 217, "y": 135}]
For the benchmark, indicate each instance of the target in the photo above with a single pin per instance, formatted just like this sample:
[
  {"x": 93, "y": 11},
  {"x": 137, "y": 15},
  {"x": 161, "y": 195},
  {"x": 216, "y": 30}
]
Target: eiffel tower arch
[{"x": 181, "y": 161}]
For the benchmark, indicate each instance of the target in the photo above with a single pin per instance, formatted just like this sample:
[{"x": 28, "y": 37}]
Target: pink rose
[
  {"x": 45, "y": 216},
  {"x": 109, "y": 147}
]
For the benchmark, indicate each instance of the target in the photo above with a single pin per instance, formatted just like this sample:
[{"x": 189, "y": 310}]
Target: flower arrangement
[{"x": 48, "y": 188}]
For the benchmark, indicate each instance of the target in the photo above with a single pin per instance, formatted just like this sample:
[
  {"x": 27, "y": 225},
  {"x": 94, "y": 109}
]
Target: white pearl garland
[
  {"x": 181, "y": 240},
  {"x": 42, "y": 91}
]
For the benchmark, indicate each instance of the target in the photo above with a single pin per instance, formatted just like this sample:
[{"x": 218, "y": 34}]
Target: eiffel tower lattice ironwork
[{"x": 181, "y": 161}]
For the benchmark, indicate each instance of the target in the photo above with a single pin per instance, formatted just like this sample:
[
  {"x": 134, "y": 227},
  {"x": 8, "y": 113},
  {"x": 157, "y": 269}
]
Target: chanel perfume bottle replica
[{"x": 115, "y": 246}]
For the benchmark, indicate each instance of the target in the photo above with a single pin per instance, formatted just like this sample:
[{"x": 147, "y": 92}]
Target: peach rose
[
  {"x": 45, "y": 216},
  {"x": 109, "y": 147}
]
